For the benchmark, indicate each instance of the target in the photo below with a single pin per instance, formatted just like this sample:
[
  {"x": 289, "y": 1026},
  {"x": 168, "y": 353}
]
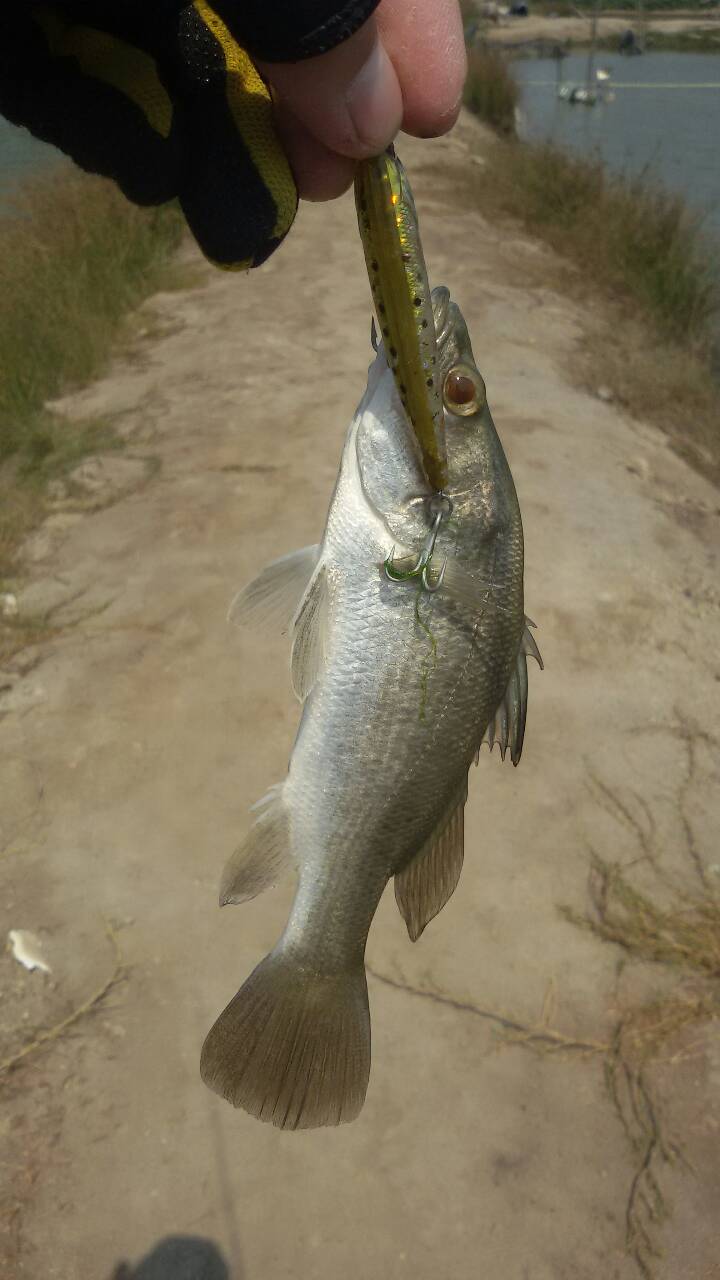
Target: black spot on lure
[{"x": 388, "y": 224}]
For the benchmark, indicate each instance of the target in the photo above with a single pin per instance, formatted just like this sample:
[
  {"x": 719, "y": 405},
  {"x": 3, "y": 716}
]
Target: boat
[{"x": 597, "y": 80}]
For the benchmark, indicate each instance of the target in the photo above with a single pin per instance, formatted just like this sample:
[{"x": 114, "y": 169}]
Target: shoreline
[{"x": 683, "y": 34}]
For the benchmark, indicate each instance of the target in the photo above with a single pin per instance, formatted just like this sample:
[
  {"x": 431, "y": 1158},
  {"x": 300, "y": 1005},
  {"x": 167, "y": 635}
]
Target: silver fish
[{"x": 400, "y": 686}]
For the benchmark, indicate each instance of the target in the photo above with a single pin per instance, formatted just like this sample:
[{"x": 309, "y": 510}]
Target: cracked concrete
[{"x": 135, "y": 740}]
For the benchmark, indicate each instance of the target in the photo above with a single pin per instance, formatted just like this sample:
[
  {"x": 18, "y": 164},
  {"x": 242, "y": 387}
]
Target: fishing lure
[{"x": 388, "y": 224}]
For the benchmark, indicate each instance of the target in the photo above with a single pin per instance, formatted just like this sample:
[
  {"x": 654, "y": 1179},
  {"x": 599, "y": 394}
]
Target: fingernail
[{"x": 374, "y": 101}]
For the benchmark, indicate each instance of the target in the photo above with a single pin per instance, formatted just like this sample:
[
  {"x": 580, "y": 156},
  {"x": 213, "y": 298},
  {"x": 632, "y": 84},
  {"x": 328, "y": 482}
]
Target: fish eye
[{"x": 463, "y": 391}]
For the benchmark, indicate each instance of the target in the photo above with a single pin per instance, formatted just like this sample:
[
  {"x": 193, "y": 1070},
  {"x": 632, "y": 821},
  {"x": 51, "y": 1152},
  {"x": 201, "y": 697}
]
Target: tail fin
[{"x": 293, "y": 1046}]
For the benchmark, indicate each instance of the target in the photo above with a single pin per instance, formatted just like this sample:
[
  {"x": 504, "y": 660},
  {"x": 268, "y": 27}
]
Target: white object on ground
[{"x": 28, "y": 949}]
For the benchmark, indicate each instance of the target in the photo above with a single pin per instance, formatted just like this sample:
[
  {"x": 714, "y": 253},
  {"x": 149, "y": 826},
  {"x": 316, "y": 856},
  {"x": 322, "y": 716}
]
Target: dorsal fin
[
  {"x": 507, "y": 726},
  {"x": 424, "y": 886}
]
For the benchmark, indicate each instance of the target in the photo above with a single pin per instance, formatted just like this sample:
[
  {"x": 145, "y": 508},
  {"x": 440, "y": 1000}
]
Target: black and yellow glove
[{"x": 163, "y": 97}]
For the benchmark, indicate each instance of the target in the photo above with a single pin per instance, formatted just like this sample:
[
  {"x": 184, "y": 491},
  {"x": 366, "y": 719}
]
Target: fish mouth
[
  {"x": 441, "y": 306},
  {"x": 451, "y": 335}
]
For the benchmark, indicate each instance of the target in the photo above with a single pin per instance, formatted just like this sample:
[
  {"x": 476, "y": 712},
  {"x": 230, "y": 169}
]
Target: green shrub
[{"x": 491, "y": 91}]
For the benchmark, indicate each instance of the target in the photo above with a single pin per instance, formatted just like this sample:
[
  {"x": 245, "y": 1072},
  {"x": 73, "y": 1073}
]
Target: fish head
[
  {"x": 469, "y": 428},
  {"x": 391, "y": 472}
]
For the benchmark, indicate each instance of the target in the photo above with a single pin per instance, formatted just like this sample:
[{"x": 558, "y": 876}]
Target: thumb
[{"x": 349, "y": 98}]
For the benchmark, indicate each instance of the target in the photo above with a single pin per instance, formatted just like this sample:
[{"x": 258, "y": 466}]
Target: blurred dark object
[
  {"x": 629, "y": 43},
  {"x": 177, "y": 1258}
]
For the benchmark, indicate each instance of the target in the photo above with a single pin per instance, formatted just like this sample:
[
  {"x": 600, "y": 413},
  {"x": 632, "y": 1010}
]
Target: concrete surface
[{"x": 136, "y": 736}]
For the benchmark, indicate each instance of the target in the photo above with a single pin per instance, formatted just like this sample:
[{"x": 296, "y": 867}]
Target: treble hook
[{"x": 441, "y": 508}]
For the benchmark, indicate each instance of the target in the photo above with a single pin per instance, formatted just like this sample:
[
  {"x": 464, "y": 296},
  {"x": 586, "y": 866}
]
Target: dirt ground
[{"x": 544, "y": 1105}]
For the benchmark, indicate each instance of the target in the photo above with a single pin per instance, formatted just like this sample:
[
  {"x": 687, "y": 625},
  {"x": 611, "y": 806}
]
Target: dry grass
[
  {"x": 686, "y": 934},
  {"x": 491, "y": 91},
  {"x": 673, "y": 922},
  {"x": 75, "y": 258},
  {"x": 631, "y": 237},
  {"x": 640, "y": 1037},
  {"x": 20, "y": 507},
  {"x": 636, "y": 248},
  {"x": 662, "y": 382},
  {"x": 657, "y": 41},
  {"x": 659, "y": 8}
]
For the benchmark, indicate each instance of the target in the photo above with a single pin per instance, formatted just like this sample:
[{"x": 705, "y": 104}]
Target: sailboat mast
[
  {"x": 641, "y": 24},
  {"x": 590, "y": 74}
]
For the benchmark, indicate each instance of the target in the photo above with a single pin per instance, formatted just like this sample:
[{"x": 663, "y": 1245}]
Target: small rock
[
  {"x": 24, "y": 661},
  {"x": 41, "y": 597},
  {"x": 115, "y": 1029},
  {"x": 57, "y": 490},
  {"x": 90, "y": 475},
  {"x": 638, "y": 467},
  {"x": 8, "y": 604},
  {"x": 605, "y": 394},
  {"x": 19, "y": 695},
  {"x": 105, "y": 477},
  {"x": 49, "y": 536}
]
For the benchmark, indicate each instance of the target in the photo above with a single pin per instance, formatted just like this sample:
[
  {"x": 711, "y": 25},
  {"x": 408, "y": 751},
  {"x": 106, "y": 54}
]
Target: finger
[
  {"x": 428, "y": 53},
  {"x": 349, "y": 99},
  {"x": 320, "y": 174}
]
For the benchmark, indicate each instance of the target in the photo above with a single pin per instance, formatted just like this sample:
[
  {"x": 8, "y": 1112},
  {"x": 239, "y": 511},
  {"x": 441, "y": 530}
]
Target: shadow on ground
[{"x": 177, "y": 1258}]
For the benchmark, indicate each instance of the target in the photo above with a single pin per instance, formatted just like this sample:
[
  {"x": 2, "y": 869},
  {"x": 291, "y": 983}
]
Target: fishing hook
[{"x": 441, "y": 508}]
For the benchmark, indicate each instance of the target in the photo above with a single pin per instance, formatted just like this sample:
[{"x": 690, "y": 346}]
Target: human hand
[
  {"x": 164, "y": 100},
  {"x": 404, "y": 69}
]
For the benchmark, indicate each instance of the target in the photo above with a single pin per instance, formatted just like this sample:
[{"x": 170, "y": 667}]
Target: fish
[
  {"x": 390, "y": 235},
  {"x": 400, "y": 686}
]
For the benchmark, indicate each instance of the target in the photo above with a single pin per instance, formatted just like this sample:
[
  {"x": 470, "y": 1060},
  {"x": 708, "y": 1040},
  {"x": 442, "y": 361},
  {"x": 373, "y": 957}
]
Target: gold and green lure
[{"x": 398, "y": 279}]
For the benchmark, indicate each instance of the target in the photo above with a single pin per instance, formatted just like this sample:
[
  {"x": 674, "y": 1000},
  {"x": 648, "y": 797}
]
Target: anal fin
[
  {"x": 260, "y": 860},
  {"x": 424, "y": 886}
]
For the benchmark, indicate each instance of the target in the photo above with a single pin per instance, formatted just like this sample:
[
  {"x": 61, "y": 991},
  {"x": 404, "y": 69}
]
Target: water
[
  {"x": 672, "y": 131},
  {"x": 21, "y": 156}
]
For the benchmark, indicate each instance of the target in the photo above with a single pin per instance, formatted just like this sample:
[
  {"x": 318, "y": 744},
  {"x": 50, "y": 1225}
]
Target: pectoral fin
[
  {"x": 429, "y": 881},
  {"x": 310, "y": 636},
  {"x": 507, "y": 726},
  {"x": 271, "y": 600},
  {"x": 469, "y": 590}
]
